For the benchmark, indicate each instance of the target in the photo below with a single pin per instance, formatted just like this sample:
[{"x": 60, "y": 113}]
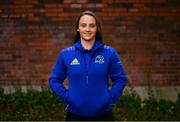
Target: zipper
[
  {"x": 86, "y": 65},
  {"x": 87, "y": 79},
  {"x": 87, "y": 71}
]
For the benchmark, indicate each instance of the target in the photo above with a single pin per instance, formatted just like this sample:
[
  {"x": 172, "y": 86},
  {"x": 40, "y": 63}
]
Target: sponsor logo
[{"x": 75, "y": 62}]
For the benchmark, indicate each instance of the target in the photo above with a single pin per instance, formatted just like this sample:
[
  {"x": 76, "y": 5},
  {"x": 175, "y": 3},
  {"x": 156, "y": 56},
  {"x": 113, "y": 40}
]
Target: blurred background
[{"x": 146, "y": 34}]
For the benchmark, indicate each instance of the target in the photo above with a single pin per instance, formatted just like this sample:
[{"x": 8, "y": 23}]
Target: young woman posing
[{"x": 88, "y": 64}]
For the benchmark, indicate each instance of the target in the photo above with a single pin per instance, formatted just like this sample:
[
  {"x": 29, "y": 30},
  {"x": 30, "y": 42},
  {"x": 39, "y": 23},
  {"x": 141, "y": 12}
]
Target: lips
[{"x": 87, "y": 34}]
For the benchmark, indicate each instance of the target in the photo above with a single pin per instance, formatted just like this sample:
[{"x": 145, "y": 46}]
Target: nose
[{"x": 87, "y": 28}]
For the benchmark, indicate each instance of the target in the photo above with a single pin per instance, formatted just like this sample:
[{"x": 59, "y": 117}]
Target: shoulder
[
  {"x": 111, "y": 52},
  {"x": 66, "y": 51},
  {"x": 109, "y": 49}
]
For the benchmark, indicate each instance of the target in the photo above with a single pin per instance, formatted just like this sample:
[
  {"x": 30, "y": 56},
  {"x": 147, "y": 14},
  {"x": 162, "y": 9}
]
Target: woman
[{"x": 88, "y": 64}]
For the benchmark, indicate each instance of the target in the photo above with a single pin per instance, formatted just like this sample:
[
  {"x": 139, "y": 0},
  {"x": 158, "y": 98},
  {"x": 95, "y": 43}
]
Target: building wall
[{"x": 145, "y": 33}]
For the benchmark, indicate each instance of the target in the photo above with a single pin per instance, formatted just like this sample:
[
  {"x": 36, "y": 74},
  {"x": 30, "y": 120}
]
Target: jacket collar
[{"x": 97, "y": 45}]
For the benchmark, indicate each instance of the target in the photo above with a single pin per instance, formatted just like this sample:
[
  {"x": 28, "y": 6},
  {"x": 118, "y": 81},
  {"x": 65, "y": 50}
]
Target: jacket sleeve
[
  {"x": 57, "y": 78},
  {"x": 118, "y": 77}
]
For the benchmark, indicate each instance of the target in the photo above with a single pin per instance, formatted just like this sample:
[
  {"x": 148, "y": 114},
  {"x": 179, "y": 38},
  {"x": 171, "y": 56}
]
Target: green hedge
[{"x": 35, "y": 105}]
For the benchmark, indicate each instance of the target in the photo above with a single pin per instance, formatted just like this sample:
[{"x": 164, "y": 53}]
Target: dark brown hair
[{"x": 98, "y": 32}]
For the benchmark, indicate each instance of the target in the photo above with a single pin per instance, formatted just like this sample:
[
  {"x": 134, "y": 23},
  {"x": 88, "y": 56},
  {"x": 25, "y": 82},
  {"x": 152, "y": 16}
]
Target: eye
[
  {"x": 83, "y": 25},
  {"x": 92, "y": 25}
]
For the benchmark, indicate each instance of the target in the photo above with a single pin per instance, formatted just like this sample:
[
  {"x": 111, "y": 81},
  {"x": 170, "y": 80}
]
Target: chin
[{"x": 88, "y": 39}]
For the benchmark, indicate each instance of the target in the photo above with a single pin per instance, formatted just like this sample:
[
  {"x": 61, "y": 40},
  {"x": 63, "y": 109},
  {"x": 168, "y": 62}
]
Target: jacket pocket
[
  {"x": 72, "y": 103},
  {"x": 105, "y": 103},
  {"x": 111, "y": 104}
]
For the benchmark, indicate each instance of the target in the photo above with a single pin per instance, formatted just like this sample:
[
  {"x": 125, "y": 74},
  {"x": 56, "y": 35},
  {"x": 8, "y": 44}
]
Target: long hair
[{"x": 98, "y": 32}]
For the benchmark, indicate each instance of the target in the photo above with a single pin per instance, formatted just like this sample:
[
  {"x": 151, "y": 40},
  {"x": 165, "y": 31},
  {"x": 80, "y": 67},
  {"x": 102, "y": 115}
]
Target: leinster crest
[{"x": 99, "y": 59}]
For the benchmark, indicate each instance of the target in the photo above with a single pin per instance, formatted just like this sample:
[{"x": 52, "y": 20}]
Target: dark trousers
[{"x": 108, "y": 116}]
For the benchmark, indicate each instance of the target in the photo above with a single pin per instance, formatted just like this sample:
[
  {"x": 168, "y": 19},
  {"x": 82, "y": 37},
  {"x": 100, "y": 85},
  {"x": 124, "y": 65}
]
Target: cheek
[
  {"x": 95, "y": 30},
  {"x": 80, "y": 31}
]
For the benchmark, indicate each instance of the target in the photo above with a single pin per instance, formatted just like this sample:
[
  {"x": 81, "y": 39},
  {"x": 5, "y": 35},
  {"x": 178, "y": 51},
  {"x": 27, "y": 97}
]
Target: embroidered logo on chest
[
  {"x": 99, "y": 59},
  {"x": 75, "y": 62}
]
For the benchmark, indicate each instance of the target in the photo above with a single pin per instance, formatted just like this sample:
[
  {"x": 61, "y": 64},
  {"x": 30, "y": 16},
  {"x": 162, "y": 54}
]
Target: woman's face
[{"x": 87, "y": 28}]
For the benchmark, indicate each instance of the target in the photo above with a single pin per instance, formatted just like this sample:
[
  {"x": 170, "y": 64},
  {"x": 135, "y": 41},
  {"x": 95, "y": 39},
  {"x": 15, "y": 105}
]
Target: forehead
[{"x": 87, "y": 19}]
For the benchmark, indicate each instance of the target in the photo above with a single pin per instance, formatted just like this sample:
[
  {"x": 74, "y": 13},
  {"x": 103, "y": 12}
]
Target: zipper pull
[{"x": 67, "y": 107}]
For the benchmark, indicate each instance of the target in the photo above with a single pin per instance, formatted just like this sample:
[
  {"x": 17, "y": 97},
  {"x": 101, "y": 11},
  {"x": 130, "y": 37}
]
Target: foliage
[
  {"x": 35, "y": 105},
  {"x": 32, "y": 105},
  {"x": 130, "y": 108}
]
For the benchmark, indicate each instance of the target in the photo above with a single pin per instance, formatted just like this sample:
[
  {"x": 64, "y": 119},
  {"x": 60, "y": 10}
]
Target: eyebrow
[{"x": 90, "y": 23}]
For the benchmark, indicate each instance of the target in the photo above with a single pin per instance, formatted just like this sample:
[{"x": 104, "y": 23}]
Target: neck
[{"x": 87, "y": 44}]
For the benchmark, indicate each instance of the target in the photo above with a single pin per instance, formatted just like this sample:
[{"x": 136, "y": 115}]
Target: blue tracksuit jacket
[{"x": 88, "y": 73}]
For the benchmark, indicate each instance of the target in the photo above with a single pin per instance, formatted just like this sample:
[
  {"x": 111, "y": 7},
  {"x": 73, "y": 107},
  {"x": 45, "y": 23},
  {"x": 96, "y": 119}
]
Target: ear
[{"x": 78, "y": 29}]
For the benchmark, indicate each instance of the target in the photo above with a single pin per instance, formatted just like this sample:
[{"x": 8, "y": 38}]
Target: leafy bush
[
  {"x": 130, "y": 107},
  {"x": 32, "y": 105},
  {"x": 35, "y": 105}
]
